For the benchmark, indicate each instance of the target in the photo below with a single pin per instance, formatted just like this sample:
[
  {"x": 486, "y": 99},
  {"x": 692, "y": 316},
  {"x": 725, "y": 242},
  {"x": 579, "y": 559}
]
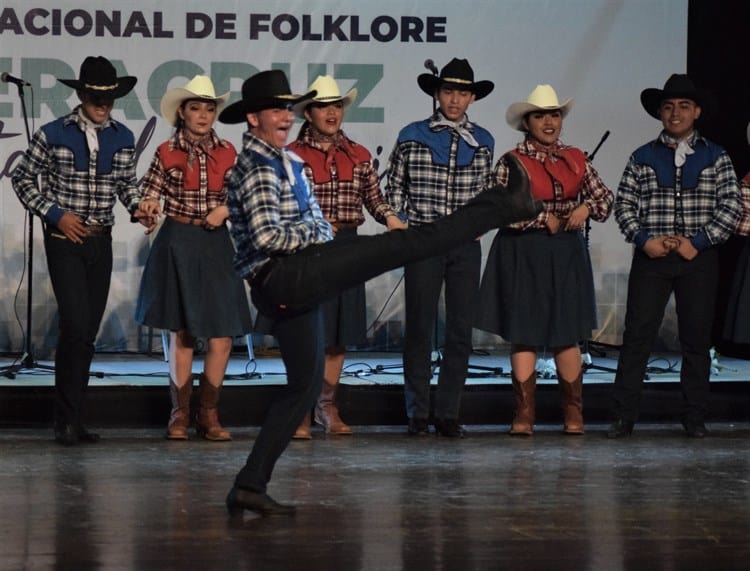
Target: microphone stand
[
  {"x": 27, "y": 361},
  {"x": 586, "y": 348}
]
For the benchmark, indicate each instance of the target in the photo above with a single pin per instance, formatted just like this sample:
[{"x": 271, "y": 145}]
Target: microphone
[
  {"x": 8, "y": 78},
  {"x": 591, "y": 155},
  {"x": 429, "y": 64}
]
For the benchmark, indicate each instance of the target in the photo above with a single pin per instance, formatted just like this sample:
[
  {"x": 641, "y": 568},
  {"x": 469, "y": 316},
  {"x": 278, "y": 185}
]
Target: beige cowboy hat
[
  {"x": 543, "y": 98},
  {"x": 327, "y": 92},
  {"x": 200, "y": 87}
]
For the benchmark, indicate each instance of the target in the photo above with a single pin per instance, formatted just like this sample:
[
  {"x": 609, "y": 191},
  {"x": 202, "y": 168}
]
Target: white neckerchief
[
  {"x": 90, "y": 129},
  {"x": 440, "y": 120},
  {"x": 682, "y": 148}
]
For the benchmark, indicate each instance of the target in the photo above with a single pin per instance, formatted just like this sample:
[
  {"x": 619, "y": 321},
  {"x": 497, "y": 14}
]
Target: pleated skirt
[
  {"x": 189, "y": 283},
  {"x": 538, "y": 289}
]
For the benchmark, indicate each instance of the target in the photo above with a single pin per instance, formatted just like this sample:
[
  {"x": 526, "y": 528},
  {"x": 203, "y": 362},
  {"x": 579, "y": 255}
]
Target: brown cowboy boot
[
  {"x": 571, "y": 395},
  {"x": 525, "y": 392},
  {"x": 303, "y": 431},
  {"x": 327, "y": 413},
  {"x": 207, "y": 420},
  {"x": 179, "y": 419}
]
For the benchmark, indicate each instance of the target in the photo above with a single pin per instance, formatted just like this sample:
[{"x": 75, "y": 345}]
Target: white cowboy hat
[
  {"x": 542, "y": 98},
  {"x": 327, "y": 92},
  {"x": 200, "y": 87}
]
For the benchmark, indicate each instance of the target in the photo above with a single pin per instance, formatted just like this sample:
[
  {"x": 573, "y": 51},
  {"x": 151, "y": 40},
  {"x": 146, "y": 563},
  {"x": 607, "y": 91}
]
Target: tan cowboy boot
[
  {"x": 571, "y": 395},
  {"x": 525, "y": 392},
  {"x": 207, "y": 420},
  {"x": 327, "y": 413},
  {"x": 179, "y": 419},
  {"x": 303, "y": 431}
]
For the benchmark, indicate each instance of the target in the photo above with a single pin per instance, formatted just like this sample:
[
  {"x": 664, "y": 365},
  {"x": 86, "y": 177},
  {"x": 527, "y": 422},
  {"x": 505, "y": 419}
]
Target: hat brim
[
  {"x": 348, "y": 99},
  {"x": 430, "y": 83},
  {"x": 237, "y": 111},
  {"x": 651, "y": 99},
  {"x": 173, "y": 98},
  {"x": 518, "y": 110},
  {"x": 124, "y": 85}
]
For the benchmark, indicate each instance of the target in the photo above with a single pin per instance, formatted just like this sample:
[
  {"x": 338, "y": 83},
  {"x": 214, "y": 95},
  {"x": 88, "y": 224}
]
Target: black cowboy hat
[
  {"x": 264, "y": 90},
  {"x": 458, "y": 72},
  {"x": 99, "y": 77},
  {"x": 678, "y": 86}
]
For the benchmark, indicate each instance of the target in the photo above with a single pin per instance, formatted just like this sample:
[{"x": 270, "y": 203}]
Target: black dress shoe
[
  {"x": 620, "y": 428},
  {"x": 418, "y": 426},
  {"x": 86, "y": 436},
  {"x": 695, "y": 428},
  {"x": 239, "y": 499},
  {"x": 449, "y": 427},
  {"x": 66, "y": 435}
]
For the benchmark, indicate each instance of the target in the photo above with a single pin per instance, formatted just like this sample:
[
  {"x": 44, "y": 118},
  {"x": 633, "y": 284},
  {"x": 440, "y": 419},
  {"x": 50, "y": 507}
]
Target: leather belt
[{"x": 188, "y": 220}]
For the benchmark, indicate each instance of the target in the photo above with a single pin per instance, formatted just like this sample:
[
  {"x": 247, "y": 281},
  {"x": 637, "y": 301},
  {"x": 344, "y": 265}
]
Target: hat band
[
  {"x": 456, "y": 80},
  {"x": 101, "y": 87}
]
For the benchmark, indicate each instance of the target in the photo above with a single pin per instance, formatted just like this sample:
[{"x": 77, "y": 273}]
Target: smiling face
[
  {"x": 454, "y": 101},
  {"x": 544, "y": 126},
  {"x": 198, "y": 116},
  {"x": 272, "y": 125},
  {"x": 325, "y": 118},
  {"x": 96, "y": 109},
  {"x": 679, "y": 116}
]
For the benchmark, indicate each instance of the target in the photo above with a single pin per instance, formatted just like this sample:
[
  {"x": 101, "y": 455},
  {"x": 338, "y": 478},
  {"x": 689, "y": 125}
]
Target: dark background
[{"x": 717, "y": 60}]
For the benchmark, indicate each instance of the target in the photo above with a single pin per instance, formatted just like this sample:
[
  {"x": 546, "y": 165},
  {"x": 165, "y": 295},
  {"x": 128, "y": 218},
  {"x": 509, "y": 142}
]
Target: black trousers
[
  {"x": 459, "y": 270},
  {"x": 651, "y": 282},
  {"x": 80, "y": 276}
]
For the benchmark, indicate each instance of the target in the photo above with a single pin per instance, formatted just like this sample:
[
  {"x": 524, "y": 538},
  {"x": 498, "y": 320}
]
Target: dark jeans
[
  {"x": 80, "y": 276},
  {"x": 459, "y": 269},
  {"x": 651, "y": 282}
]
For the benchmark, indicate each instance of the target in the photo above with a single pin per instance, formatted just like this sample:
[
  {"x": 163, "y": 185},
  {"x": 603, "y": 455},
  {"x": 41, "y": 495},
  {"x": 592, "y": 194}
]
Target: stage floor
[{"x": 382, "y": 500}]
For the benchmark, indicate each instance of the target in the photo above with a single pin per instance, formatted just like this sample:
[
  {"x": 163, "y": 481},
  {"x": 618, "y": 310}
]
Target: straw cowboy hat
[
  {"x": 200, "y": 87},
  {"x": 327, "y": 92},
  {"x": 678, "y": 86},
  {"x": 543, "y": 98},
  {"x": 459, "y": 72},
  {"x": 264, "y": 90},
  {"x": 99, "y": 77}
]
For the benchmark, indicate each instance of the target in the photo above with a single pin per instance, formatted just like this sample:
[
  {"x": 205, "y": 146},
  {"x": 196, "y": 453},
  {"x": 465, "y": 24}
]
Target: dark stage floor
[{"x": 381, "y": 500}]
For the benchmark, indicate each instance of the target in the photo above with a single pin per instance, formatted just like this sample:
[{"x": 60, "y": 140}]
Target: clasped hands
[
  {"x": 148, "y": 213},
  {"x": 660, "y": 246},
  {"x": 574, "y": 221}
]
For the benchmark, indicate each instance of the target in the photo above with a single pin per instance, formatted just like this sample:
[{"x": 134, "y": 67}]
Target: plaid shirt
[
  {"x": 342, "y": 200},
  {"x": 433, "y": 171},
  {"x": 743, "y": 226},
  {"x": 593, "y": 192},
  {"x": 74, "y": 180},
  {"x": 179, "y": 201},
  {"x": 699, "y": 200},
  {"x": 268, "y": 218}
]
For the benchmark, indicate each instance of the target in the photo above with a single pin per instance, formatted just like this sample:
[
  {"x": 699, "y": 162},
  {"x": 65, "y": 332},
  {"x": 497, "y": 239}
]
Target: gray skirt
[
  {"x": 538, "y": 289},
  {"x": 189, "y": 283}
]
